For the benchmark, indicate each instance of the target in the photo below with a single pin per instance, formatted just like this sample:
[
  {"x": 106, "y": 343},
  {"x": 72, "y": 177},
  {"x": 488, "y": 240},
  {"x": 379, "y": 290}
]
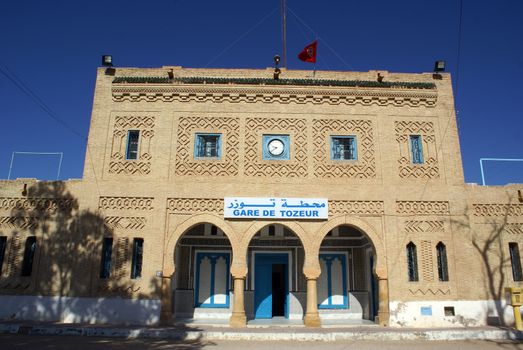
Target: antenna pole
[{"x": 284, "y": 32}]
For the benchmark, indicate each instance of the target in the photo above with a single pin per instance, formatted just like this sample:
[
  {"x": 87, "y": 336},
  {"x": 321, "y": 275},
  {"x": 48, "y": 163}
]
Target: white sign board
[{"x": 276, "y": 208}]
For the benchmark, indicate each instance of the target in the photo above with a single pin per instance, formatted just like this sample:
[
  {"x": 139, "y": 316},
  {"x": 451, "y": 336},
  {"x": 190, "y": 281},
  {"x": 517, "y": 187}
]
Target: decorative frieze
[
  {"x": 362, "y": 168},
  {"x": 430, "y": 291},
  {"x": 20, "y": 222},
  {"x": 422, "y": 207},
  {"x": 337, "y": 207},
  {"x": 125, "y": 223},
  {"x": 421, "y": 226},
  {"x": 48, "y": 205},
  {"x": 195, "y": 205},
  {"x": 270, "y": 95},
  {"x": 514, "y": 229},
  {"x": 126, "y": 203},
  {"x": 497, "y": 209}
]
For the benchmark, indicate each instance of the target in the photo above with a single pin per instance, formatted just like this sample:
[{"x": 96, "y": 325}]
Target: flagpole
[{"x": 284, "y": 32}]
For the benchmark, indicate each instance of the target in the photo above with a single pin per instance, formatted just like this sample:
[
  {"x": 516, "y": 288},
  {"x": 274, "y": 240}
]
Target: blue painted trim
[
  {"x": 328, "y": 259},
  {"x": 265, "y": 144},
  {"x": 273, "y": 258},
  {"x": 354, "y": 144},
  {"x": 127, "y": 157},
  {"x": 213, "y": 256},
  {"x": 197, "y": 140},
  {"x": 416, "y": 149}
]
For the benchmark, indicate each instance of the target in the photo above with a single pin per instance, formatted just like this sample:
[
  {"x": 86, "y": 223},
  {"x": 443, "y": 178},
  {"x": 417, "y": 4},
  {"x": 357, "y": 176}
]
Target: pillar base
[
  {"x": 312, "y": 320},
  {"x": 238, "y": 320},
  {"x": 383, "y": 319}
]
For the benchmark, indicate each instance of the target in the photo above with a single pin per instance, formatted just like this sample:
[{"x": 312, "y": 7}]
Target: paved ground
[{"x": 8, "y": 342}]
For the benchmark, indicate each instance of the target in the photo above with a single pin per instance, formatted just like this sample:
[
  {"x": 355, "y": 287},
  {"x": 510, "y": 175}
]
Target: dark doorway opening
[{"x": 278, "y": 290}]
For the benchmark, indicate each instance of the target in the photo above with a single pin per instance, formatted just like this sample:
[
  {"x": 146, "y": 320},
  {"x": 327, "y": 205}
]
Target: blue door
[{"x": 270, "y": 285}]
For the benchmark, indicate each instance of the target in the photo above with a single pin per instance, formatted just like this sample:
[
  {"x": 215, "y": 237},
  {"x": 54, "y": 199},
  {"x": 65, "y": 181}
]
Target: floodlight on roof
[
  {"x": 107, "y": 60},
  {"x": 439, "y": 66}
]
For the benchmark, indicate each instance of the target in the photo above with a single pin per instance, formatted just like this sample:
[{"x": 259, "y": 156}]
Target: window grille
[
  {"x": 412, "y": 262},
  {"x": 132, "y": 144},
  {"x": 515, "y": 260},
  {"x": 416, "y": 148},
  {"x": 443, "y": 271},
  {"x": 29, "y": 253},
  {"x": 343, "y": 148},
  {"x": 107, "y": 251},
  {"x": 136, "y": 268},
  {"x": 207, "y": 146}
]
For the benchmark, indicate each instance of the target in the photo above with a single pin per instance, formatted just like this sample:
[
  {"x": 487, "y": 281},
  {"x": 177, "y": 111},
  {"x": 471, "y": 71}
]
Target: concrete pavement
[{"x": 207, "y": 333}]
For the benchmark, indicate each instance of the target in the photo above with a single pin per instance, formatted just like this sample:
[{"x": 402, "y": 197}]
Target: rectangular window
[
  {"x": 29, "y": 254},
  {"x": 412, "y": 262},
  {"x": 132, "y": 144},
  {"x": 343, "y": 148},
  {"x": 107, "y": 251},
  {"x": 416, "y": 149},
  {"x": 3, "y": 244},
  {"x": 136, "y": 270},
  {"x": 515, "y": 260},
  {"x": 207, "y": 146}
]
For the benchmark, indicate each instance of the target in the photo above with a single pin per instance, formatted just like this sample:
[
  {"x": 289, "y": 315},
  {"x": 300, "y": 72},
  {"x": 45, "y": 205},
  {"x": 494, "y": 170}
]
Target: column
[
  {"x": 383, "y": 311},
  {"x": 312, "y": 317},
  {"x": 166, "y": 311},
  {"x": 238, "y": 318}
]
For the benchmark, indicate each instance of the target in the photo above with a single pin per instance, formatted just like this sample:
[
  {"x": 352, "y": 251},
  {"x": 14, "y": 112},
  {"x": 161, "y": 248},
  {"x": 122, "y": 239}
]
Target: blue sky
[{"x": 54, "y": 47}]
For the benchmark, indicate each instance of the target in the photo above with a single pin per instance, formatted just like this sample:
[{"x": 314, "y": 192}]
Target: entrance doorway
[{"x": 271, "y": 285}]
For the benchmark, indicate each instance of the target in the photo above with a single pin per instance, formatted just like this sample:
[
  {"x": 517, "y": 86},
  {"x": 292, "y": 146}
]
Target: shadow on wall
[
  {"x": 63, "y": 283},
  {"x": 489, "y": 244}
]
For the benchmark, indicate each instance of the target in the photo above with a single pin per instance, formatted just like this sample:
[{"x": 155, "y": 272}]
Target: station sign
[{"x": 275, "y": 208}]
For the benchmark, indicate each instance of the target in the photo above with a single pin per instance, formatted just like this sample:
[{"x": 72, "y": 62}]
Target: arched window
[
  {"x": 443, "y": 270},
  {"x": 412, "y": 262}
]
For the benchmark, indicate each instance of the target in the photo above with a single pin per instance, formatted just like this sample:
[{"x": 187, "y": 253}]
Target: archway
[
  {"x": 353, "y": 282},
  {"x": 275, "y": 287},
  {"x": 201, "y": 283}
]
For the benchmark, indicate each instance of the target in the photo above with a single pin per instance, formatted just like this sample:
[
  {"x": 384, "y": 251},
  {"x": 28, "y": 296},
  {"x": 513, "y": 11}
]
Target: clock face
[{"x": 276, "y": 147}]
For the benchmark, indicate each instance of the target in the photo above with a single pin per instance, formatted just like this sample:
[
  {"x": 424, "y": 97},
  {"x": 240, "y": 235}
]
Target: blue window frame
[
  {"x": 412, "y": 262},
  {"x": 343, "y": 148},
  {"x": 29, "y": 254},
  {"x": 208, "y": 146},
  {"x": 212, "y": 280},
  {"x": 332, "y": 287},
  {"x": 107, "y": 251},
  {"x": 131, "y": 151},
  {"x": 282, "y": 150},
  {"x": 136, "y": 267},
  {"x": 3, "y": 244},
  {"x": 416, "y": 149}
]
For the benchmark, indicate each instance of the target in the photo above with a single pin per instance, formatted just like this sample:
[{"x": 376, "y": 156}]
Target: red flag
[{"x": 308, "y": 54}]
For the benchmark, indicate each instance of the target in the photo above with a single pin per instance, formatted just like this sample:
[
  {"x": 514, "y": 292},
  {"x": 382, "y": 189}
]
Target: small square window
[
  {"x": 276, "y": 147},
  {"x": 132, "y": 144},
  {"x": 208, "y": 146},
  {"x": 416, "y": 149},
  {"x": 343, "y": 148}
]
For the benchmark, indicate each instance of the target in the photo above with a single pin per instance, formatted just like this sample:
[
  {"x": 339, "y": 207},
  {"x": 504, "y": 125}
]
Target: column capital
[
  {"x": 311, "y": 273},
  {"x": 239, "y": 271}
]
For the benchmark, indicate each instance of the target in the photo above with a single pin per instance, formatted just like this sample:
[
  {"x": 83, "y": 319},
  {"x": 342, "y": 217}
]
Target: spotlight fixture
[
  {"x": 439, "y": 66},
  {"x": 107, "y": 60},
  {"x": 277, "y": 70}
]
